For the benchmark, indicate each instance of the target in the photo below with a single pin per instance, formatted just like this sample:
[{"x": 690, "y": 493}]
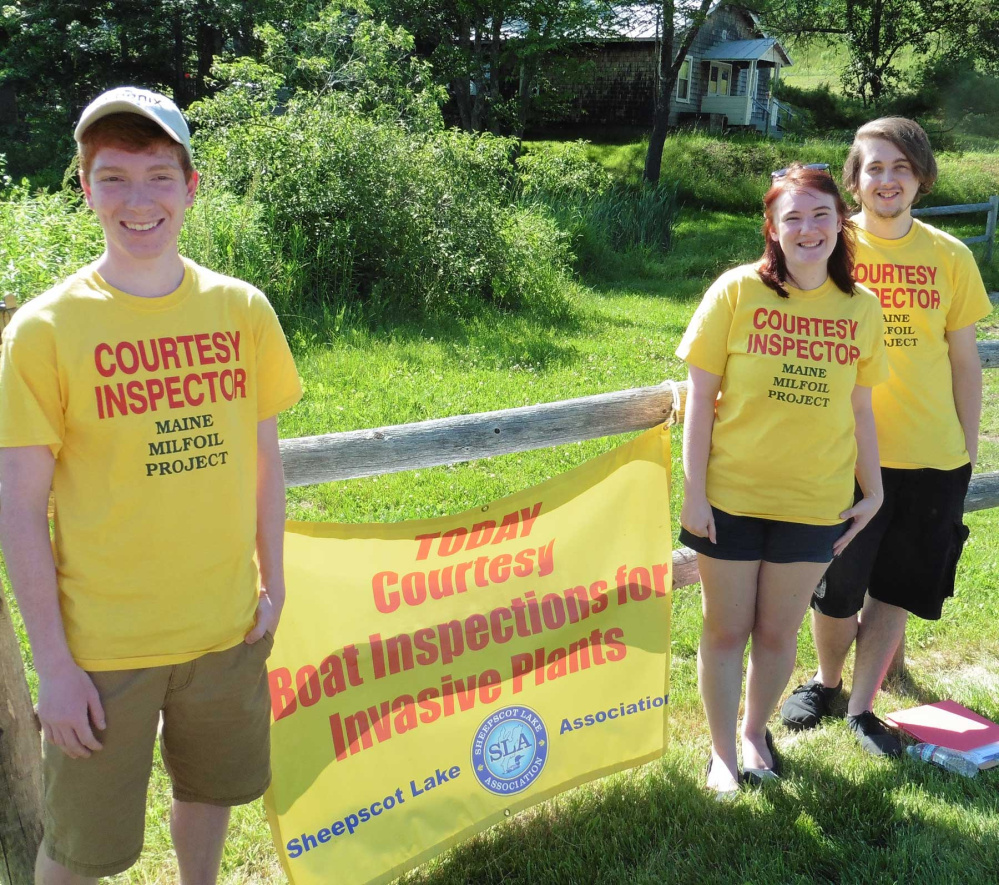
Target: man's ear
[
  {"x": 192, "y": 188},
  {"x": 86, "y": 189}
]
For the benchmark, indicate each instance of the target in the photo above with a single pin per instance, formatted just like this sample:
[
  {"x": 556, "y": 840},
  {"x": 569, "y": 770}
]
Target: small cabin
[{"x": 727, "y": 79}]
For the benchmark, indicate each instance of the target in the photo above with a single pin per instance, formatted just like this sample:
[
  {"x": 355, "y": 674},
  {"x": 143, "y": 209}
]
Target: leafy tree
[
  {"x": 876, "y": 32},
  {"x": 56, "y": 55},
  {"x": 673, "y": 49},
  {"x": 491, "y": 53},
  {"x": 367, "y": 66},
  {"x": 543, "y": 29}
]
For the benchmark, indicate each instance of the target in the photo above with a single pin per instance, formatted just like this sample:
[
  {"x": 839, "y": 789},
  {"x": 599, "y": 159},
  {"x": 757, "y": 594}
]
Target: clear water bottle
[{"x": 951, "y": 760}]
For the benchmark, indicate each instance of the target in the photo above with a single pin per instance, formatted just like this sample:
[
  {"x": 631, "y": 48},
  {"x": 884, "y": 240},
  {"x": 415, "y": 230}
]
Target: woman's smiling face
[{"x": 806, "y": 225}]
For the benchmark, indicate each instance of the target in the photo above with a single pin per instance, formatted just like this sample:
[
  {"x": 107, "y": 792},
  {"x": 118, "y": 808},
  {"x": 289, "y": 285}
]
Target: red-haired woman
[{"x": 782, "y": 356}]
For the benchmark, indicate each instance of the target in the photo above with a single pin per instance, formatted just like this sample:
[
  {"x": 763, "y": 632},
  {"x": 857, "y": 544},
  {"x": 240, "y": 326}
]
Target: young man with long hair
[{"x": 927, "y": 416}]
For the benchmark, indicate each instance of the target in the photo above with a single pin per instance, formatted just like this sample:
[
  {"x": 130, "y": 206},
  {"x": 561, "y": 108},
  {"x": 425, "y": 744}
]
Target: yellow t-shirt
[
  {"x": 928, "y": 284},
  {"x": 150, "y": 406},
  {"x": 783, "y": 444}
]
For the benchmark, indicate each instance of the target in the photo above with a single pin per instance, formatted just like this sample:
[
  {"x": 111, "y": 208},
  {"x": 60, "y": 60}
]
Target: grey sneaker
[
  {"x": 807, "y": 704},
  {"x": 874, "y": 737}
]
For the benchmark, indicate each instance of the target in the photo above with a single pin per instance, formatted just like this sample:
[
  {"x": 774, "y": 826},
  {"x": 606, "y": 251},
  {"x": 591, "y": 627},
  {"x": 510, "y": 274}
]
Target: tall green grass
[
  {"x": 731, "y": 174},
  {"x": 615, "y": 227},
  {"x": 715, "y": 174}
]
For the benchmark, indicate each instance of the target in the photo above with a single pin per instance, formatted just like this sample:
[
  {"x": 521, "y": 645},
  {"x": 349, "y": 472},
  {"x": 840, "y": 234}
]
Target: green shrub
[
  {"x": 415, "y": 220},
  {"x": 43, "y": 238},
  {"x": 635, "y": 218},
  {"x": 537, "y": 252},
  {"x": 560, "y": 173},
  {"x": 820, "y": 110}
]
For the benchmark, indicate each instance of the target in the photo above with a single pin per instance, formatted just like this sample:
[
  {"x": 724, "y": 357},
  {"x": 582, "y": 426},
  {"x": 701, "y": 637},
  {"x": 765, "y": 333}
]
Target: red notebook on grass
[{"x": 949, "y": 724}]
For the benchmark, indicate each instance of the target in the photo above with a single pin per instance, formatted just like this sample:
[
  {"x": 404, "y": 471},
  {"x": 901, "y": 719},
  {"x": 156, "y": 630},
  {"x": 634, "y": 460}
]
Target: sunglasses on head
[{"x": 780, "y": 173}]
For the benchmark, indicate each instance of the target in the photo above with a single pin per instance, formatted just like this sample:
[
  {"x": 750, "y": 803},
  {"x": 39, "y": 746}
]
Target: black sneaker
[
  {"x": 874, "y": 737},
  {"x": 807, "y": 704}
]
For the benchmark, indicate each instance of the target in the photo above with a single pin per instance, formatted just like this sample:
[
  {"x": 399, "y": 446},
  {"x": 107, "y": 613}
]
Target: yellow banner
[{"x": 430, "y": 678}]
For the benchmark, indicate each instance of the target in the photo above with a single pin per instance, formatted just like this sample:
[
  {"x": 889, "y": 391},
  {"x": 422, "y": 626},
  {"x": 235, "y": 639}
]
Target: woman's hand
[
  {"x": 861, "y": 513},
  {"x": 696, "y": 517},
  {"x": 868, "y": 468}
]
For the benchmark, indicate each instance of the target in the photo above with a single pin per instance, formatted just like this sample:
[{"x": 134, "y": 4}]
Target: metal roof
[{"x": 762, "y": 49}]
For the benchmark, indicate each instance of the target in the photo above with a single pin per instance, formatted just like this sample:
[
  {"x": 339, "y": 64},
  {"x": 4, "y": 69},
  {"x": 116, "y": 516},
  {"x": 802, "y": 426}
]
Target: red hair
[
  {"x": 128, "y": 132},
  {"x": 773, "y": 264}
]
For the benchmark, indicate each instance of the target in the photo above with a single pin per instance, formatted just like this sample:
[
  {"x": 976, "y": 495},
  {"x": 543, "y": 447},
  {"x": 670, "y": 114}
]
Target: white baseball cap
[{"x": 132, "y": 100}]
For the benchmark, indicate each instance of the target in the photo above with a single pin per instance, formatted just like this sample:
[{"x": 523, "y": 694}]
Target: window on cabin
[
  {"x": 719, "y": 79},
  {"x": 683, "y": 81}
]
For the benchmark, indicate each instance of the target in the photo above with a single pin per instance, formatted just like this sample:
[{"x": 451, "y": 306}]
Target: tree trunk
[
  {"x": 461, "y": 85},
  {"x": 657, "y": 141},
  {"x": 670, "y": 62},
  {"x": 495, "y": 49},
  {"x": 20, "y": 763},
  {"x": 208, "y": 44},
  {"x": 179, "y": 84},
  {"x": 664, "y": 83},
  {"x": 524, "y": 96},
  {"x": 8, "y": 104},
  {"x": 479, "y": 106}
]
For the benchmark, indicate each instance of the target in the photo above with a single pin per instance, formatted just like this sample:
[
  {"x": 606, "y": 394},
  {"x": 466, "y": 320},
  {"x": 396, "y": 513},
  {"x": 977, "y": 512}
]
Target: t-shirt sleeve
[
  {"x": 31, "y": 407},
  {"x": 705, "y": 343},
  {"x": 872, "y": 367},
  {"x": 278, "y": 385},
  {"x": 971, "y": 301}
]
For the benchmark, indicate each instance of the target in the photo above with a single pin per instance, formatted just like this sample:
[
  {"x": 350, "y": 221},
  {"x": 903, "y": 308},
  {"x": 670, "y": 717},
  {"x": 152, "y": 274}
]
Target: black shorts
[
  {"x": 748, "y": 538},
  {"x": 907, "y": 555}
]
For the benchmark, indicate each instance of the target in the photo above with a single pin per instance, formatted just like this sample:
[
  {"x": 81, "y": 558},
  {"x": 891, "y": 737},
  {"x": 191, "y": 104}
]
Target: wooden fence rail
[
  {"x": 350, "y": 455},
  {"x": 991, "y": 207}
]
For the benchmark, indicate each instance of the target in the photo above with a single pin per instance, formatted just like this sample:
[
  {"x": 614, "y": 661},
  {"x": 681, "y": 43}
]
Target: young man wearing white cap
[{"x": 144, "y": 391}]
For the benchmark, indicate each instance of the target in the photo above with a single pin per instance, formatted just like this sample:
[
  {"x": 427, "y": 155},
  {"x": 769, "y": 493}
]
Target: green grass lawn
[{"x": 838, "y": 816}]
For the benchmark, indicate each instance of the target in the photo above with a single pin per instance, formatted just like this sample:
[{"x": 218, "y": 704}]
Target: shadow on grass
[
  {"x": 888, "y": 822},
  {"x": 505, "y": 338},
  {"x": 908, "y": 686},
  {"x": 705, "y": 244}
]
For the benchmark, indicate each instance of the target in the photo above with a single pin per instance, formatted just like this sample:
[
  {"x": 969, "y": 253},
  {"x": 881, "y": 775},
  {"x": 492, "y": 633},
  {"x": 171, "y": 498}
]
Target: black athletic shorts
[
  {"x": 747, "y": 538},
  {"x": 907, "y": 555}
]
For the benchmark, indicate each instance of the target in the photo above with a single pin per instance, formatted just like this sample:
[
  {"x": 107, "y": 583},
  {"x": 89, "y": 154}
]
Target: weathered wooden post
[
  {"x": 20, "y": 747},
  {"x": 990, "y": 228},
  {"x": 20, "y": 763}
]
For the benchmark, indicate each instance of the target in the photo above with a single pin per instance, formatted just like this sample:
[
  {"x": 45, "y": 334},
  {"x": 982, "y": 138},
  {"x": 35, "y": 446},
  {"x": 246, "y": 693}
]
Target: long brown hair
[{"x": 773, "y": 264}]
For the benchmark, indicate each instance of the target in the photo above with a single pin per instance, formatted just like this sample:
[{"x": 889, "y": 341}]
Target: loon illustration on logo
[{"x": 509, "y": 750}]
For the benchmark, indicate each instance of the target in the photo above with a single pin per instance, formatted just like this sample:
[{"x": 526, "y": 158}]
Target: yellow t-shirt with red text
[
  {"x": 783, "y": 445},
  {"x": 150, "y": 407},
  {"x": 928, "y": 284}
]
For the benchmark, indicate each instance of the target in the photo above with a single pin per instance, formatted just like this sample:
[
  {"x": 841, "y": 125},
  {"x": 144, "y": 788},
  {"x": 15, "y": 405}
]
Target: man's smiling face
[
  {"x": 887, "y": 184},
  {"x": 140, "y": 200}
]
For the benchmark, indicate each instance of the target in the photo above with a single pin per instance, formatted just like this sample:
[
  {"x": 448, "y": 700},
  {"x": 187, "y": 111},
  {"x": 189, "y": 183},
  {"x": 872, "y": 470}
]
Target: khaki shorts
[{"x": 215, "y": 744}]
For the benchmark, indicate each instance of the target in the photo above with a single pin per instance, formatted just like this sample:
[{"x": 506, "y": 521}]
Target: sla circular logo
[{"x": 509, "y": 751}]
